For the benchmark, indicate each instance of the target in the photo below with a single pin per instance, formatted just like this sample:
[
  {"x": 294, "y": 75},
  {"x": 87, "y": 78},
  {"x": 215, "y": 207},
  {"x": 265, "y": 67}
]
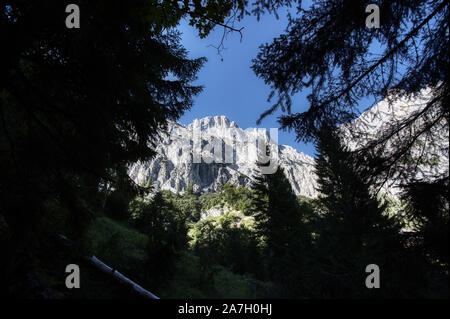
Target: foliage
[
  {"x": 210, "y": 200},
  {"x": 239, "y": 198},
  {"x": 188, "y": 204},
  {"x": 166, "y": 229},
  {"x": 328, "y": 53},
  {"x": 191, "y": 281},
  {"x": 428, "y": 211},
  {"x": 118, "y": 245},
  {"x": 77, "y": 106},
  {"x": 283, "y": 232},
  {"x": 226, "y": 240},
  {"x": 355, "y": 231}
]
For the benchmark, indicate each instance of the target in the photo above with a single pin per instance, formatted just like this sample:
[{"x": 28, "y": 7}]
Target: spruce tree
[
  {"x": 427, "y": 210},
  {"x": 329, "y": 53},
  {"x": 77, "y": 106},
  {"x": 354, "y": 232},
  {"x": 165, "y": 227},
  {"x": 278, "y": 220}
]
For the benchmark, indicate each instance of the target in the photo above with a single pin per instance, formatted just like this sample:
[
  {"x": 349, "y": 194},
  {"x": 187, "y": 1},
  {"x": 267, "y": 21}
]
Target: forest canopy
[{"x": 78, "y": 106}]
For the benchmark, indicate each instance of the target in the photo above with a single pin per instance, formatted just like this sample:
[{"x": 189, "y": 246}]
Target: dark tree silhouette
[
  {"x": 328, "y": 52},
  {"x": 279, "y": 223},
  {"x": 78, "y": 105},
  {"x": 428, "y": 211},
  {"x": 167, "y": 233},
  {"x": 355, "y": 231}
]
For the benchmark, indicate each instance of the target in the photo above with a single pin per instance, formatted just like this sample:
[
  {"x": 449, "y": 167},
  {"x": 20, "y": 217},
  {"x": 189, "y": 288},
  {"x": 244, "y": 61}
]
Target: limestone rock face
[
  {"x": 186, "y": 154},
  {"x": 428, "y": 156},
  {"x": 213, "y": 150}
]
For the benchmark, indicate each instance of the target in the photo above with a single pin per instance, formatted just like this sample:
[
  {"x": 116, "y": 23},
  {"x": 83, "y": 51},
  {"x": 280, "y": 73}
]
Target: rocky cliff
[
  {"x": 213, "y": 150},
  {"x": 175, "y": 167}
]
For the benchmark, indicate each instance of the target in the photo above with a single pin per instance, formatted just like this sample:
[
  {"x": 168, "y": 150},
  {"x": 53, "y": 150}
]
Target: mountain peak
[
  {"x": 173, "y": 167},
  {"x": 213, "y": 121}
]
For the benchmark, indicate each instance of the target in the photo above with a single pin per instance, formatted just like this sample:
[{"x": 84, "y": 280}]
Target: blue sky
[{"x": 231, "y": 87}]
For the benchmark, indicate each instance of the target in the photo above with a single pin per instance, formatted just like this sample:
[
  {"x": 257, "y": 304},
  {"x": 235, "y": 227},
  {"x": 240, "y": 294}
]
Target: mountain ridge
[{"x": 173, "y": 168}]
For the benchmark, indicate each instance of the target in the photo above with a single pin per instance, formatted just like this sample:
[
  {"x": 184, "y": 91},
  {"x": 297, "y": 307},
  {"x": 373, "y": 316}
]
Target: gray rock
[{"x": 173, "y": 167}]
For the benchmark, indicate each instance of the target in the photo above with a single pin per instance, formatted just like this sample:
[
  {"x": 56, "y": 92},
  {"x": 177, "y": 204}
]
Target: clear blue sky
[{"x": 231, "y": 87}]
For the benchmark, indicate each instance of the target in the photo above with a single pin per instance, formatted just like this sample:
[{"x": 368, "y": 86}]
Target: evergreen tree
[
  {"x": 427, "y": 211},
  {"x": 77, "y": 106},
  {"x": 226, "y": 241},
  {"x": 167, "y": 236},
  {"x": 345, "y": 190},
  {"x": 354, "y": 232},
  {"x": 190, "y": 189},
  {"x": 278, "y": 223},
  {"x": 328, "y": 52}
]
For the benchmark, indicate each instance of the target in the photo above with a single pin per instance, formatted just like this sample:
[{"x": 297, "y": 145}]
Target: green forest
[
  {"x": 79, "y": 106},
  {"x": 264, "y": 247}
]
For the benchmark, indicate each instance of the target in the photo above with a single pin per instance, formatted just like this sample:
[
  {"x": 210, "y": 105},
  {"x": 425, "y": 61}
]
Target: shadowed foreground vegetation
[{"x": 163, "y": 245}]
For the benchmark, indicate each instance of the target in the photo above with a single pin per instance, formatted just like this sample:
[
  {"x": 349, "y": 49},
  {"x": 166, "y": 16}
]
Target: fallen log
[
  {"x": 124, "y": 280},
  {"x": 97, "y": 263}
]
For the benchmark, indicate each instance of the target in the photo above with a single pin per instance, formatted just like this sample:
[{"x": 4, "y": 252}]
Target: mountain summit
[
  {"x": 177, "y": 163},
  {"x": 174, "y": 168}
]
